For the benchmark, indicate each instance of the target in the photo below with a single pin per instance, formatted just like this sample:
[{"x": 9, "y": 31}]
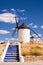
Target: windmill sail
[{"x": 36, "y": 34}]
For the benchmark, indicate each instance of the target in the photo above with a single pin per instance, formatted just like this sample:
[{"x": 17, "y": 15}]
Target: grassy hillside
[
  {"x": 27, "y": 49},
  {"x": 32, "y": 48}
]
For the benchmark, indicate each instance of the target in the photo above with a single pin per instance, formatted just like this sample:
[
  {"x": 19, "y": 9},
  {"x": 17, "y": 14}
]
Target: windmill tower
[{"x": 23, "y": 32}]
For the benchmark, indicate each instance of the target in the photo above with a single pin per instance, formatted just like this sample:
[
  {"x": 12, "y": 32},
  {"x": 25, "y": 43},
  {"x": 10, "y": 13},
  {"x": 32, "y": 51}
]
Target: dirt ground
[{"x": 25, "y": 63}]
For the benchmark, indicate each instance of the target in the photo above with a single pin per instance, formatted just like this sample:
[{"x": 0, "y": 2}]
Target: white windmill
[{"x": 23, "y": 32}]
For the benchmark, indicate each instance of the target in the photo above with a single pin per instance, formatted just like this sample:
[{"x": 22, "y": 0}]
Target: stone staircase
[{"x": 12, "y": 54}]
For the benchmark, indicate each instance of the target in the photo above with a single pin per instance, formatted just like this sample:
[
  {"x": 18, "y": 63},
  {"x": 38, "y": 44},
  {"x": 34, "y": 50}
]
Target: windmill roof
[{"x": 23, "y": 26}]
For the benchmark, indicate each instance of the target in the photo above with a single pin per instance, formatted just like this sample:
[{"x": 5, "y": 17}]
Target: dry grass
[
  {"x": 2, "y": 47},
  {"x": 27, "y": 49},
  {"x": 32, "y": 48}
]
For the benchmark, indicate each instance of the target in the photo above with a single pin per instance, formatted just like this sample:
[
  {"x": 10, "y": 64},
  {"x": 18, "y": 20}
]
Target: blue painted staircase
[{"x": 12, "y": 54}]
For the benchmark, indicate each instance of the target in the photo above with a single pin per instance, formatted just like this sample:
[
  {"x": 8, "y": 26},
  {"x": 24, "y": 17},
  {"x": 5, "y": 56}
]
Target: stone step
[{"x": 12, "y": 54}]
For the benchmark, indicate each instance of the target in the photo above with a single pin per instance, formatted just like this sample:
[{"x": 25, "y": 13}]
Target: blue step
[{"x": 12, "y": 54}]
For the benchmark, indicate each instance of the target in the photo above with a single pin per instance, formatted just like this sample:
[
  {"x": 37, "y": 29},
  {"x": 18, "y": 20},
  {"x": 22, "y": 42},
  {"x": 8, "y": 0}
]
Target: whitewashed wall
[{"x": 24, "y": 35}]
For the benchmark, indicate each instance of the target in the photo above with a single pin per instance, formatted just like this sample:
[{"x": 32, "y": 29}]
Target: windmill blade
[
  {"x": 14, "y": 32},
  {"x": 15, "y": 27},
  {"x": 16, "y": 22},
  {"x": 19, "y": 20},
  {"x": 17, "y": 32},
  {"x": 36, "y": 34}
]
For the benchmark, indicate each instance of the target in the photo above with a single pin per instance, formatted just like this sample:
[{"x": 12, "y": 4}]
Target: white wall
[
  {"x": 4, "y": 53},
  {"x": 24, "y": 35}
]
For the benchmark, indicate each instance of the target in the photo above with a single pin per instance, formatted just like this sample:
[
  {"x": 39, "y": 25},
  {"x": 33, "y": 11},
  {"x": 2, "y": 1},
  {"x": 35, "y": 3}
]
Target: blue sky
[{"x": 29, "y": 11}]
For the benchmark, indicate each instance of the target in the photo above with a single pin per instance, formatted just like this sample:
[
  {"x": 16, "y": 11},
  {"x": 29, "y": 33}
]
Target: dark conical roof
[{"x": 23, "y": 26}]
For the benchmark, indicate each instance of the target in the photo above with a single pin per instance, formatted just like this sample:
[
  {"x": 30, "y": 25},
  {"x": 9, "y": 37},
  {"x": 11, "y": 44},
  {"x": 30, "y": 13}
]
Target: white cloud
[
  {"x": 4, "y": 32},
  {"x": 11, "y": 39},
  {"x": 39, "y": 35},
  {"x": 36, "y": 35},
  {"x": 4, "y": 10},
  {"x": 38, "y": 39},
  {"x": 35, "y": 26},
  {"x": 20, "y": 10},
  {"x": 8, "y": 18},
  {"x": 30, "y": 24},
  {"x": 41, "y": 26},
  {"x": 13, "y": 9},
  {"x": 23, "y": 18},
  {"x": 13, "y": 28},
  {"x": 1, "y": 41}
]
